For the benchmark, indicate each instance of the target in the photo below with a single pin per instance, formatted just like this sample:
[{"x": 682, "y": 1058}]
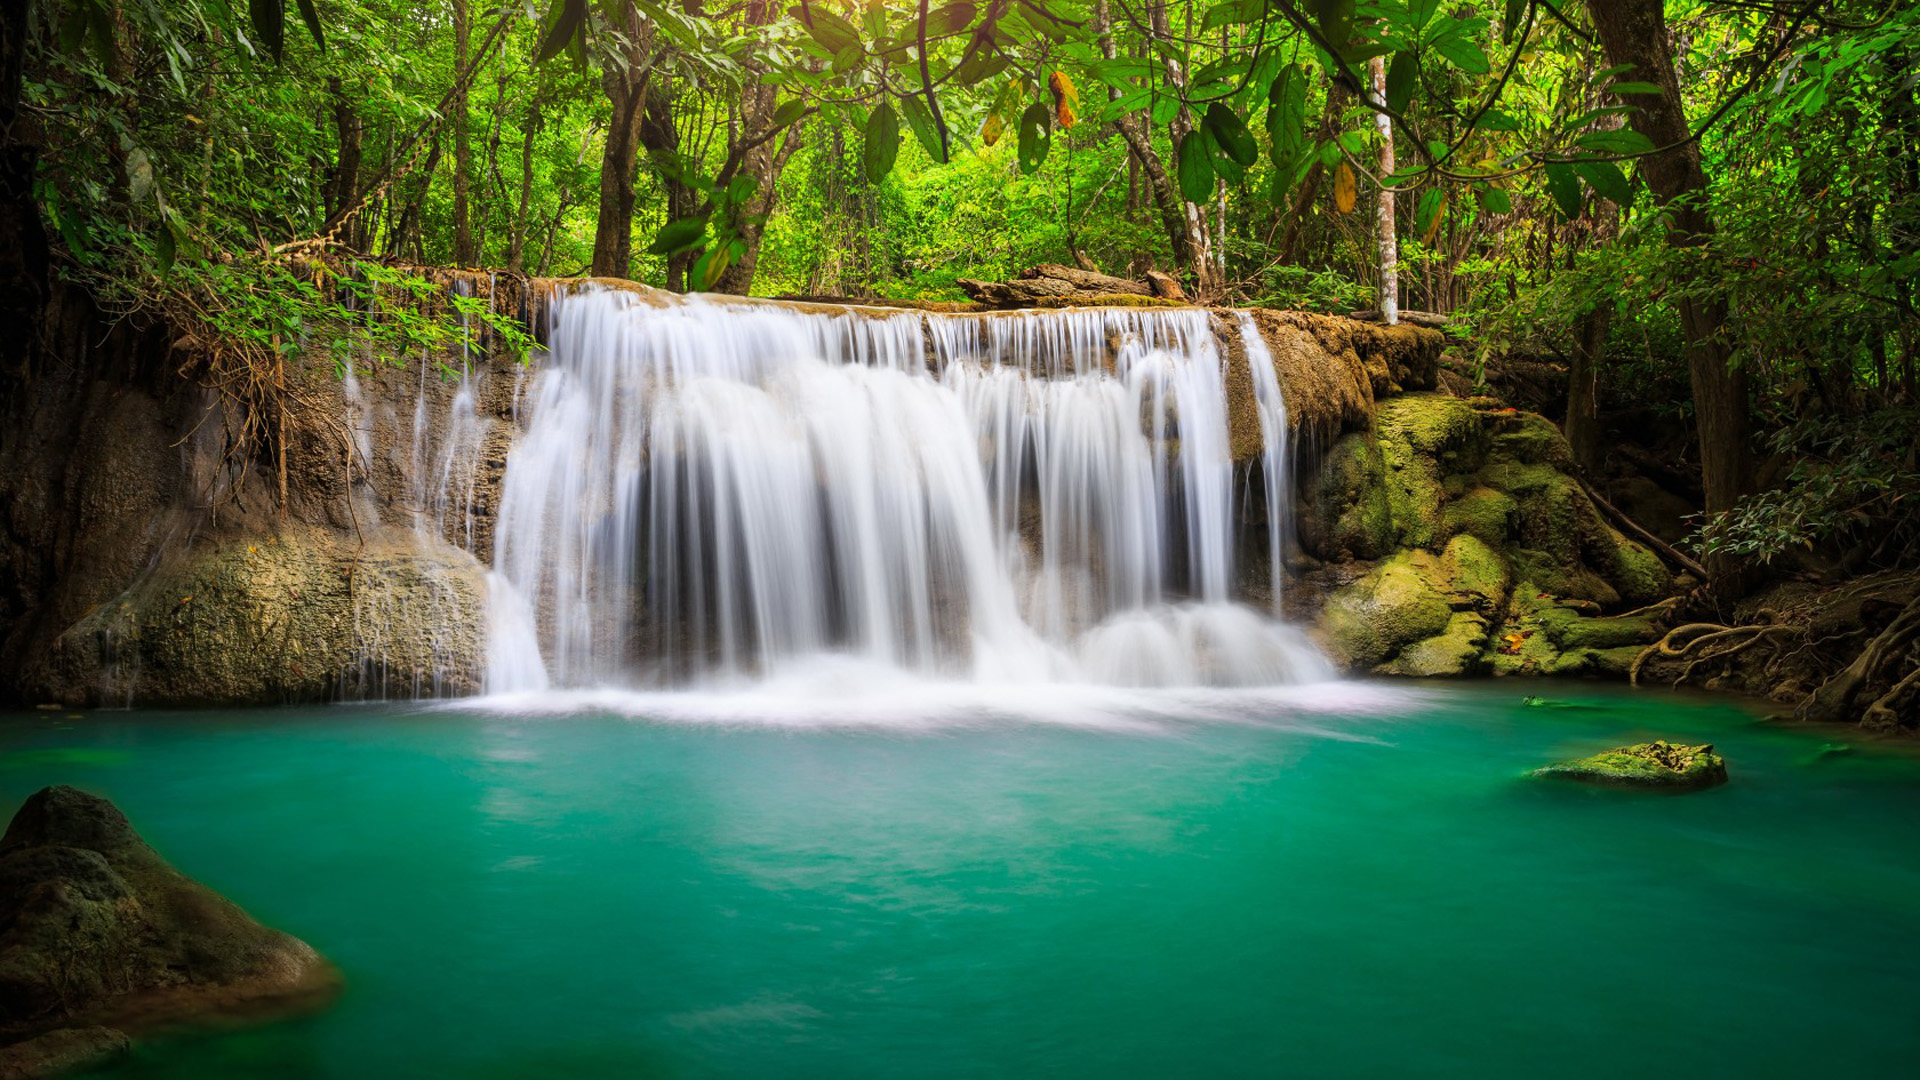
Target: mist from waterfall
[{"x": 715, "y": 492}]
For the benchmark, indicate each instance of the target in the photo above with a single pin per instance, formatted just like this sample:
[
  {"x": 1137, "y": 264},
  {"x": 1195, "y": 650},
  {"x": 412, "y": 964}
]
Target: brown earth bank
[
  {"x": 101, "y": 939},
  {"x": 149, "y": 558}
]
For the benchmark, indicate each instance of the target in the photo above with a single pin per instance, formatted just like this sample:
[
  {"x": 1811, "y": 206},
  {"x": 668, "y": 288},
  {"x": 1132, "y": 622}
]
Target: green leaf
[
  {"x": 1564, "y": 185},
  {"x": 1635, "y": 88},
  {"x": 1036, "y": 136},
  {"x": 165, "y": 247},
  {"x": 1335, "y": 19},
  {"x": 953, "y": 18},
  {"x": 269, "y": 24},
  {"x": 924, "y": 128},
  {"x": 1233, "y": 13},
  {"x": 1195, "y": 166},
  {"x": 790, "y": 110},
  {"x": 1287, "y": 115},
  {"x": 1494, "y": 201},
  {"x": 312, "y": 19},
  {"x": 1420, "y": 12},
  {"x": 882, "y": 143},
  {"x": 564, "y": 22},
  {"x": 1464, "y": 54},
  {"x": 831, "y": 31},
  {"x": 675, "y": 237},
  {"x": 1495, "y": 120},
  {"x": 849, "y": 58},
  {"x": 1424, "y": 217},
  {"x": 1606, "y": 178},
  {"x": 1230, "y": 135},
  {"x": 1510, "y": 19},
  {"x": 1402, "y": 76},
  {"x": 1620, "y": 141}
]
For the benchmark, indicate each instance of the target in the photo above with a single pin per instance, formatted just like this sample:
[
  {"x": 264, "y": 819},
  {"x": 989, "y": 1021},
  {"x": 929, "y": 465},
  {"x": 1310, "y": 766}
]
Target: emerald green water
[{"x": 1368, "y": 890}]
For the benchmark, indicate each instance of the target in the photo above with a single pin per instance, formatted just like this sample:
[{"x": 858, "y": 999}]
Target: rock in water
[
  {"x": 1660, "y": 765},
  {"x": 97, "y": 930}
]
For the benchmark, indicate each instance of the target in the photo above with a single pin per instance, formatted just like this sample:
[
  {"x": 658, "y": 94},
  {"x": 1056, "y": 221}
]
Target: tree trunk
[
  {"x": 1178, "y": 218},
  {"x": 763, "y": 163},
  {"x": 517, "y": 241},
  {"x": 344, "y": 192},
  {"x": 1582, "y": 425},
  {"x": 463, "y": 253},
  {"x": 626, "y": 87},
  {"x": 1197, "y": 253},
  {"x": 1634, "y": 33},
  {"x": 1385, "y": 236}
]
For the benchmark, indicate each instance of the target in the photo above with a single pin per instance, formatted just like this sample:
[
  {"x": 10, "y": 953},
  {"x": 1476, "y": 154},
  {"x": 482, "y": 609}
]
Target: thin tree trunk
[{"x": 1386, "y": 239}]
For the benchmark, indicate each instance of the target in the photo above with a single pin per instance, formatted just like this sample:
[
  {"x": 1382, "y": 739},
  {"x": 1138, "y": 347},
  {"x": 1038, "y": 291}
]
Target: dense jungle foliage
[{"x": 1702, "y": 215}]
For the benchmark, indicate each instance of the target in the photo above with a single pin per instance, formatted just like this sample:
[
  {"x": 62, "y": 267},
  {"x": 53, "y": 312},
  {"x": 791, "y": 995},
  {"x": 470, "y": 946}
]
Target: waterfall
[
  {"x": 1275, "y": 465},
  {"x": 710, "y": 491}
]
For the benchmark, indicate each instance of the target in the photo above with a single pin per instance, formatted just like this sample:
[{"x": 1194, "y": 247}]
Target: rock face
[
  {"x": 100, "y": 932},
  {"x": 297, "y": 615},
  {"x": 1459, "y": 543},
  {"x": 1660, "y": 765}
]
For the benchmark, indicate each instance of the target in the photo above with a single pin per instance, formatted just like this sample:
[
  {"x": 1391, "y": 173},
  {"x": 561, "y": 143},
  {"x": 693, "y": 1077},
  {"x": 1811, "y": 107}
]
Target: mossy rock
[
  {"x": 1476, "y": 572},
  {"x": 1458, "y": 650},
  {"x": 1637, "y": 572},
  {"x": 1531, "y": 439},
  {"x": 1393, "y": 606},
  {"x": 1424, "y": 438},
  {"x": 1347, "y": 512},
  {"x": 1658, "y": 765},
  {"x": 1571, "y": 630},
  {"x": 1482, "y": 512}
]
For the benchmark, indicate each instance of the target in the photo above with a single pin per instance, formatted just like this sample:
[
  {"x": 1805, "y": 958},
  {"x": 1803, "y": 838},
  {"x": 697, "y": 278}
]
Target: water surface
[{"x": 1365, "y": 888}]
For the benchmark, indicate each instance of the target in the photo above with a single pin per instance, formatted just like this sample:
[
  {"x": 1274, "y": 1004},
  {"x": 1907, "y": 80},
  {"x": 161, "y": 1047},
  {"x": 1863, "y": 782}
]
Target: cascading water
[{"x": 707, "y": 491}]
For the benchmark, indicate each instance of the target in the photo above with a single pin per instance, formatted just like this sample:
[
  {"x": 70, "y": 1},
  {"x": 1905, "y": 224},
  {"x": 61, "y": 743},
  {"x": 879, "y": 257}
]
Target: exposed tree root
[{"x": 1877, "y": 665}]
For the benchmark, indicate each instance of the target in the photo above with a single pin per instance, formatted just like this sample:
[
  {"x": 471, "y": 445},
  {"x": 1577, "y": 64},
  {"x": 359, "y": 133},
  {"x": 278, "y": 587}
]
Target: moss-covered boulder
[
  {"x": 1659, "y": 765},
  {"x": 97, "y": 931},
  {"x": 1394, "y": 605},
  {"x": 1469, "y": 497}
]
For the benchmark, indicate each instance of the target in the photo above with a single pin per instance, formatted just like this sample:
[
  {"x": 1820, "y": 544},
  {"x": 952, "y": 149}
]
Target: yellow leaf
[
  {"x": 1065, "y": 97},
  {"x": 1343, "y": 189},
  {"x": 990, "y": 131}
]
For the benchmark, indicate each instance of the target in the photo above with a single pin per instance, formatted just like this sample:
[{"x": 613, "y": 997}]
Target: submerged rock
[
  {"x": 1659, "y": 764},
  {"x": 100, "y": 935}
]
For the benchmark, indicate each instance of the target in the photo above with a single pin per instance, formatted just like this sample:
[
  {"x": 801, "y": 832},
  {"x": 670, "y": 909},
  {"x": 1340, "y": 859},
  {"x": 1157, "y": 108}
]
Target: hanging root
[{"x": 1698, "y": 643}]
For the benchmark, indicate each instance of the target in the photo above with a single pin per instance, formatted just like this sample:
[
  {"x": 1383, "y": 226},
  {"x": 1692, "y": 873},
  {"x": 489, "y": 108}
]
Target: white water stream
[{"x": 711, "y": 492}]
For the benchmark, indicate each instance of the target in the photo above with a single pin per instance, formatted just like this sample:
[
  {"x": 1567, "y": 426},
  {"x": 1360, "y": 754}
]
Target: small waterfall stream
[{"x": 711, "y": 491}]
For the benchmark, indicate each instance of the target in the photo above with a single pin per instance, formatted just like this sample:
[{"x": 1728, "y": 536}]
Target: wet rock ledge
[{"x": 101, "y": 938}]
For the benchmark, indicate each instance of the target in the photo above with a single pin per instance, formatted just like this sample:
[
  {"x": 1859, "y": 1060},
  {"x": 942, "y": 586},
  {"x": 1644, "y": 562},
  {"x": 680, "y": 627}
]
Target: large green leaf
[
  {"x": 564, "y": 20},
  {"x": 1036, "y": 136},
  {"x": 1402, "y": 76},
  {"x": 312, "y": 18},
  {"x": 831, "y": 31},
  {"x": 1287, "y": 116},
  {"x": 883, "y": 142},
  {"x": 1335, "y": 19},
  {"x": 1619, "y": 141},
  {"x": 790, "y": 110},
  {"x": 269, "y": 24},
  {"x": 1564, "y": 185},
  {"x": 1494, "y": 201},
  {"x": 675, "y": 237},
  {"x": 1464, "y": 54},
  {"x": 1194, "y": 161},
  {"x": 924, "y": 128},
  {"x": 1230, "y": 135},
  {"x": 1606, "y": 178}
]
